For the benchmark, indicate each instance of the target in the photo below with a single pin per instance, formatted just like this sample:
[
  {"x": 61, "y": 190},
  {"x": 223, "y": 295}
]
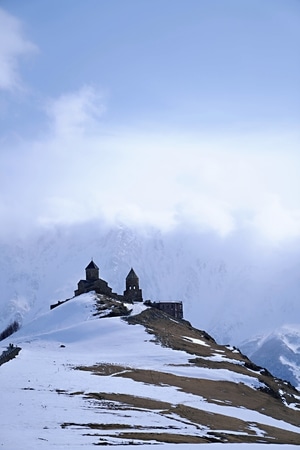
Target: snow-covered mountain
[
  {"x": 83, "y": 378},
  {"x": 279, "y": 351},
  {"x": 234, "y": 288}
]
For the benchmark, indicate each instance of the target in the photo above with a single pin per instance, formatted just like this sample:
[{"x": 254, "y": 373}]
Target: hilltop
[
  {"x": 233, "y": 288},
  {"x": 86, "y": 376}
]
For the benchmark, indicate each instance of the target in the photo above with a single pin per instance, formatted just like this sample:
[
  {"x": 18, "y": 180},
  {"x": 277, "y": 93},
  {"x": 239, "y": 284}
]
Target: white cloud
[
  {"x": 277, "y": 222},
  {"x": 83, "y": 170},
  {"x": 13, "y": 45},
  {"x": 73, "y": 113}
]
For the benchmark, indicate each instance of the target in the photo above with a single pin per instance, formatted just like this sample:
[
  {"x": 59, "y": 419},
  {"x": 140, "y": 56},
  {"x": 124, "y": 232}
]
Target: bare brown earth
[{"x": 271, "y": 400}]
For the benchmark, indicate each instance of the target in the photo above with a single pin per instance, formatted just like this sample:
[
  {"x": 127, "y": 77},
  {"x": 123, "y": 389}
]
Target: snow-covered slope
[
  {"x": 279, "y": 351},
  {"x": 233, "y": 288},
  {"x": 81, "y": 380}
]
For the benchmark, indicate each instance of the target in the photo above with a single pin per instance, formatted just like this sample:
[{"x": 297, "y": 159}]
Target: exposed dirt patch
[
  {"x": 109, "y": 307},
  {"x": 164, "y": 438}
]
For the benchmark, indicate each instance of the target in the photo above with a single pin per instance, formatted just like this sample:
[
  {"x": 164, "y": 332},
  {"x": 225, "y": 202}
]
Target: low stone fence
[{"x": 9, "y": 354}]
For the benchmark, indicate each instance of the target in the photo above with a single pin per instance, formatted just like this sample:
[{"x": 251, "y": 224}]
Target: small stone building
[{"x": 174, "y": 309}]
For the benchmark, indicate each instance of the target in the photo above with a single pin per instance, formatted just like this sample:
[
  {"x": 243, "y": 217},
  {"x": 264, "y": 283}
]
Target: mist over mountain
[{"x": 233, "y": 287}]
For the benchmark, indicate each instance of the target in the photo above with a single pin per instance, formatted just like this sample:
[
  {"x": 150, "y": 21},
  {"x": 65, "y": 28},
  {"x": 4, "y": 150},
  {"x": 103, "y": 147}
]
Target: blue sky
[{"x": 152, "y": 112}]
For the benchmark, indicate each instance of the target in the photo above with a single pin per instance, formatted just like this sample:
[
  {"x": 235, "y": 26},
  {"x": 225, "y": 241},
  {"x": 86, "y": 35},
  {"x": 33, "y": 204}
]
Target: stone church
[
  {"x": 92, "y": 282},
  {"x": 132, "y": 292}
]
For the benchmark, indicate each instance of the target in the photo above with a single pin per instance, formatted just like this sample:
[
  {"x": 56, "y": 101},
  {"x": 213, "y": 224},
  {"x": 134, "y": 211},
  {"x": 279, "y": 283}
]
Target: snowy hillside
[
  {"x": 82, "y": 379},
  {"x": 279, "y": 351},
  {"x": 233, "y": 288}
]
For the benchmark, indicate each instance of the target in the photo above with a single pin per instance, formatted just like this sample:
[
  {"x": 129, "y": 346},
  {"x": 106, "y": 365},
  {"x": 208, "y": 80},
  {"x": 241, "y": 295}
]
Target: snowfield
[{"x": 42, "y": 393}]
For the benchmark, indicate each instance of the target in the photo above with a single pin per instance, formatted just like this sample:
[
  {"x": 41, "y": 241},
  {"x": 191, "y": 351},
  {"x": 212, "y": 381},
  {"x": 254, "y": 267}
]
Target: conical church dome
[{"x": 132, "y": 275}]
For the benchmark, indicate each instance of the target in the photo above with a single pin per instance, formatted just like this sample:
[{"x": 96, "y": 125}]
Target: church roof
[
  {"x": 132, "y": 274},
  {"x": 92, "y": 265}
]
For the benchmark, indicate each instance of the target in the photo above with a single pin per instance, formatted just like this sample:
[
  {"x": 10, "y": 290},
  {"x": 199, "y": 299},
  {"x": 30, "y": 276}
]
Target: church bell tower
[
  {"x": 92, "y": 272},
  {"x": 133, "y": 293}
]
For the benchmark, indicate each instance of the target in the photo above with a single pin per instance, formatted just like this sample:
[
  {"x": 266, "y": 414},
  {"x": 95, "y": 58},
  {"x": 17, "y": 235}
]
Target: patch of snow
[
  {"x": 196, "y": 341},
  {"x": 233, "y": 349},
  {"x": 223, "y": 358},
  {"x": 135, "y": 308}
]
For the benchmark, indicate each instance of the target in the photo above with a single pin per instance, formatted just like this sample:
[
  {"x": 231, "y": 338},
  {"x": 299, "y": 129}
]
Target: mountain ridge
[
  {"x": 279, "y": 351},
  {"x": 143, "y": 377}
]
